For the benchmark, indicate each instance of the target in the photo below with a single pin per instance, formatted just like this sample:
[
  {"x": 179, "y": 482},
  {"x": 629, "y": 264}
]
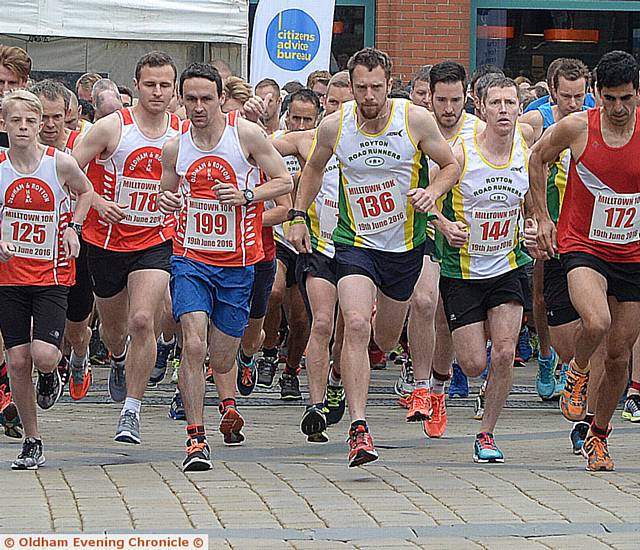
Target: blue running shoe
[
  {"x": 525, "y": 351},
  {"x": 459, "y": 386},
  {"x": 561, "y": 379},
  {"x": 546, "y": 380},
  {"x": 162, "y": 358},
  {"x": 578, "y": 435},
  {"x": 485, "y": 449},
  {"x": 176, "y": 410}
]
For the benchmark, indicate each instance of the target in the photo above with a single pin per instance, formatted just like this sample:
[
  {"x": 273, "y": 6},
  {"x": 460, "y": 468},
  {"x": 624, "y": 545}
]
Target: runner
[
  {"x": 597, "y": 238},
  {"x": 317, "y": 278},
  {"x": 127, "y": 238},
  {"x": 381, "y": 229},
  {"x": 483, "y": 282},
  {"x": 211, "y": 174},
  {"x": 631, "y": 409},
  {"x": 38, "y": 243}
]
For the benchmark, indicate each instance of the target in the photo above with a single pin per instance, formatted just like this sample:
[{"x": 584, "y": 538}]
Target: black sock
[
  {"x": 246, "y": 359},
  {"x": 120, "y": 358},
  {"x": 598, "y": 432},
  {"x": 589, "y": 418},
  {"x": 270, "y": 352},
  {"x": 356, "y": 423}
]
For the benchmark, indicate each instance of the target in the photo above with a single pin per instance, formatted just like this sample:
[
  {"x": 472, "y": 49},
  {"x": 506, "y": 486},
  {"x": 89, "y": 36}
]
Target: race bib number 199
[
  {"x": 210, "y": 226},
  {"x": 615, "y": 219},
  {"x": 31, "y": 231},
  {"x": 376, "y": 206},
  {"x": 493, "y": 230}
]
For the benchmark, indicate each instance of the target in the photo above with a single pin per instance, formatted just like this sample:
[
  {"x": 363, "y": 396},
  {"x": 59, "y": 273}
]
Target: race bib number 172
[{"x": 615, "y": 219}]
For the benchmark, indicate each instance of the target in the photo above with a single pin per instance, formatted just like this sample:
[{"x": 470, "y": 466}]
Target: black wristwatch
[
  {"x": 248, "y": 196},
  {"x": 77, "y": 227},
  {"x": 293, "y": 213}
]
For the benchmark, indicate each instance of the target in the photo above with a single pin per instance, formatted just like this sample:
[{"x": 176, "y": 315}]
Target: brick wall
[{"x": 417, "y": 32}]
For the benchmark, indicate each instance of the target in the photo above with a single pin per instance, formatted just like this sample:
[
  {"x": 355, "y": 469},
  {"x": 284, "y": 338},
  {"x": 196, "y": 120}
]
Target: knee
[
  {"x": 45, "y": 360},
  {"x": 423, "y": 304},
  {"x": 322, "y": 327},
  {"x": 222, "y": 362},
  {"x": 277, "y": 296},
  {"x": 357, "y": 327},
  {"x": 194, "y": 347},
  {"x": 502, "y": 355},
  {"x": 471, "y": 365},
  {"x": 617, "y": 360},
  {"x": 385, "y": 341},
  {"x": 141, "y": 322},
  {"x": 596, "y": 324}
]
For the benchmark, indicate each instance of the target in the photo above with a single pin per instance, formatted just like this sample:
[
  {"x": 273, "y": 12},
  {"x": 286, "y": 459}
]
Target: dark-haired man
[
  {"x": 597, "y": 238},
  {"x": 128, "y": 238},
  {"x": 379, "y": 239},
  {"x": 210, "y": 178}
]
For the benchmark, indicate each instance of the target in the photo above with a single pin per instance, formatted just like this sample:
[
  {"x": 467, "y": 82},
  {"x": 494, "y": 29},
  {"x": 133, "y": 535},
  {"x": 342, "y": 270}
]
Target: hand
[
  {"x": 109, "y": 211},
  {"x": 255, "y": 107},
  {"x": 456, "y": 233},
  {"x": 531, "y": 240},
  {"x": 70, "y": 243},
  {"x": 7, "y": 251},
  {"x": 298, "y": 236},
  {"x": 421, "y": 199},
  {"x": 547, "y": 237},
  {"x": 169, "y": 202},
  {"x": 228, "y": 194}
]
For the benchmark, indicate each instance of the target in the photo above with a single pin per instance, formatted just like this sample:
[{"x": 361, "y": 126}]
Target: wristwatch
[
  {"x": 293, "y": 213},
  {"x": 77, "y": 227},
  {"x": 248, "y": 196}
]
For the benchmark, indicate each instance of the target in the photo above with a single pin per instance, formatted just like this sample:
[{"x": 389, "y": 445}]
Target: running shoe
[
  {"x": 578, "y": 435},
  {"x": 267, "y": 367},
  {"x": 209, "y": 374},
  {"x": 289, "y": 387},
  {"x": 97, "y": 350},
  {"x": 545, "y": 379},
  {"x": 561, "y": 379},
  {"x": 9, "y": 418},
  {"x": 31, "y": 457},
  {"x": 128, "y": 430},
  {"x": 117, "y": 383},
  {"x": 485, "y": 450},
  {"x": 631, "y": 409},
  {"x": 80, "y": 379},
  {"x": 314, "y": 424},
  {"x": 377, "y": 357},
  {"x": 525, "y": 351},
  {"x": 361, "y": 449},
  {"x": 48, "y": 389},
  {"x": 573, "y": 399},
  {"x": 231, "y": 425},
  {"x": 176, "y": 409},
  {"x": 478, "y": 407},
  {"x": 247, "y": 375},
  {"x": 198, "y": 457},
  {"x": 335, "y": 403},
  {"x": 596, "y": 451},
  {"x": 420, "y": 408},
  {"x": 405, "y": 384},
  {"x": 405, "y": 400},
  {"x": 175, "y": 365},
  {"x": 435, "y": 426},
  {"x": 163, "y": 351},
  {"x": 459, "y": 385},
  {"x": 64, "y": 370}
]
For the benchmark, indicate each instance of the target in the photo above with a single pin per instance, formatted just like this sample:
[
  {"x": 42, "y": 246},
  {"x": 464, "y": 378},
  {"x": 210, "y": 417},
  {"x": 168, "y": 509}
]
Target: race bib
[
  {"x": 493, "y": 230},
  {"x": 376, "y": 206},
  {"x": 615, "y": 219},
  {"x": 328, "y": 218},
  {"x": 32, "y": 232},
  {"x": 141, "y": 199},
  {"x": 211, "y": 226}
]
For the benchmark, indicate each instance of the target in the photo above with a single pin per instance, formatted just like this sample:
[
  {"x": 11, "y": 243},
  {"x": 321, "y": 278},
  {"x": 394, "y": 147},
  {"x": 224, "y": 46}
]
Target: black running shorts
[
  {"x": 80, "y": 302},
  {"x": 560, "y": 310}
]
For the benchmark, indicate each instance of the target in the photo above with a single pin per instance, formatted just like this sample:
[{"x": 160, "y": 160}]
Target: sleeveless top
[
  {"x": 35, "y": 210},
  {"x": 210, "y": 232},
  {"x": 376, "y": 171},
  {"x": 602, "y": 199}
]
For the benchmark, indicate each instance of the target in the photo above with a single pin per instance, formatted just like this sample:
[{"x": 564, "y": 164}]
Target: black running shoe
[
  {"x": 48, "y": 389},
  {"x": 31, "y": 457},
  {"x": 247, "y": 375},
  {"x": 578, "y": 435},
  {"x": 314, "y": 424},
  {"x": 198, "y": 457},
  {"x": 267, "y": 368},
  {"x": 289, "y": 387},
  {"x": 335, "y": 402},
  {"x": 162, "y": 358},
  {"x": 65, "y": 372}
]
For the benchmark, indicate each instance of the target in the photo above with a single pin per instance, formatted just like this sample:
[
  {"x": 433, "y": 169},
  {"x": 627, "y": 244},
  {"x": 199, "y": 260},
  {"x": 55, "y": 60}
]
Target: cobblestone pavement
[{"x": 277, "y": 491}]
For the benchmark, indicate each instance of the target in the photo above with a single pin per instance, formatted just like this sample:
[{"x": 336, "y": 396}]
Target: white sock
[
  {"x": 423, "y": 384},
  {"x": 437, "y": 386},
  {"x": 131, "y": 404},
  {"x": 333, "y": 381}
]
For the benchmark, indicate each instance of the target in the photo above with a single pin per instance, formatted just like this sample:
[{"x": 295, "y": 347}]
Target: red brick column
[{"x": 417, "y": 32}]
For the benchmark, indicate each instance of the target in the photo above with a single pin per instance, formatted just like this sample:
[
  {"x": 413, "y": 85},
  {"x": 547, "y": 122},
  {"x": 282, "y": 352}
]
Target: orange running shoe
[
  {"x": 437, "y": 424},
  {"x": 361, "y": 449},
  {"x": 596, "y": 451},
  {"x": 231, "y": 425},
  {"x": 405, "y": 400},
  {"x": 573, "y": 399},
  {"x": 80, "y": 380},
  {"x": 420, "y": 406}
]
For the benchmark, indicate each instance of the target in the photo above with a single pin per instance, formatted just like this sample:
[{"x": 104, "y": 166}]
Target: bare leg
[
  {"x": 191, "y": 381},
  {"x": 298, "y": 321},
  {"x": 273, "y": 317},
  {"x": 540, "y": 311}
]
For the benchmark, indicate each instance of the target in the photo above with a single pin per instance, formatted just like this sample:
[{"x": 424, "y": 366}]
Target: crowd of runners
[{"x": 206, "y": 223}]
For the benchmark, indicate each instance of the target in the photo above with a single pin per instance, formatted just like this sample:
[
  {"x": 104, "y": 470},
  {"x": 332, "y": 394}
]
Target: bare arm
[
  {"x": 297, "y": 144},
  {"x": 277, "y": 215},
  {"x": 534, "y": 120},
  {"x": 100, "y": 141},
  {"x": 528, "y": 134},
  {"x": 169, "y": 199}
]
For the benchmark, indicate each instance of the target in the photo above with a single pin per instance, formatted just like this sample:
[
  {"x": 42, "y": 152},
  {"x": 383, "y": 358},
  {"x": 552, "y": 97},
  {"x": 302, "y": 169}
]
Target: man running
[
  {"x": 597, "y": 238},
  {"x": 128, "y": 239},
  {"x": 38, "y": 243},
  {"x": 379, "y": 239},
  {"x": 211, "y": 175}
]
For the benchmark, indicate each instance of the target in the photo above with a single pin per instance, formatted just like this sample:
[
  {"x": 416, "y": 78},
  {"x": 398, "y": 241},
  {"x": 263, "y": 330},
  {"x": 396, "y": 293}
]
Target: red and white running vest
[
  {"x": 601, "y": 209},
  {"x": 35, "y": 210},
  {"x": 138, "y": 168},
  {"x": 210, "y": 232}
]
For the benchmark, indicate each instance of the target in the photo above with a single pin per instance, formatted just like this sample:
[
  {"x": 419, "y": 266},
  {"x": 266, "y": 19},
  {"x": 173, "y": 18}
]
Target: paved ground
[{"x": 280, "y": 492}]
